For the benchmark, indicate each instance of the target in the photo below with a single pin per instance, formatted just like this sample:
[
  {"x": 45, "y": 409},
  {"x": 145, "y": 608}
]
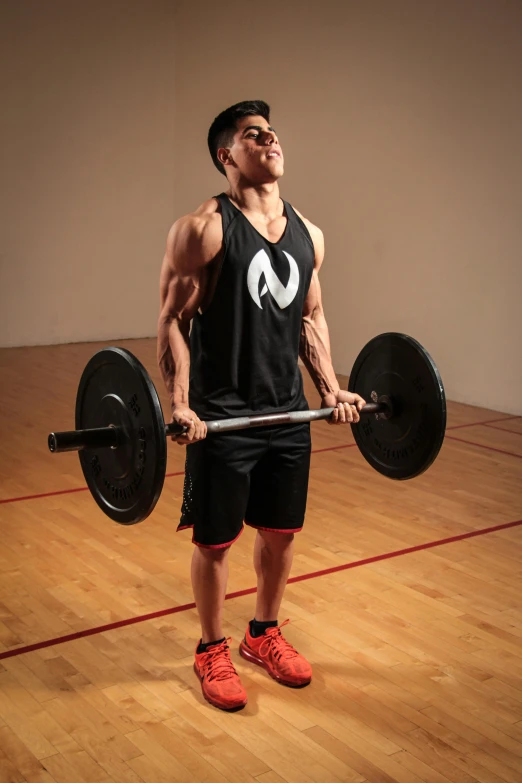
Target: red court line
[
  {"x": 314, "y": 451},
  {"x": 482, "y": 423},
  {"x": 248, "y": 591},
  {"x": 483, "y": 446},
  {"x": 333, "y": 448},
  {"x": 45, "y": 494},
  {"x": 502, "y": 429},
  {"x": 167, "y": 475},
  {"x": 65, "y": 491}
]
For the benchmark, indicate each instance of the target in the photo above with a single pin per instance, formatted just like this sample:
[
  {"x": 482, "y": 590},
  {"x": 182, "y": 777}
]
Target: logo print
[{"x": 260, "y": 265}]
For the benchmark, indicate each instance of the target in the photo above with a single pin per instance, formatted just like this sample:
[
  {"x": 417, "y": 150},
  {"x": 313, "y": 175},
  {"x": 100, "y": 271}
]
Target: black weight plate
[
  {"x": 115, "y": 389},
  {"x": 397, "y": 366}
]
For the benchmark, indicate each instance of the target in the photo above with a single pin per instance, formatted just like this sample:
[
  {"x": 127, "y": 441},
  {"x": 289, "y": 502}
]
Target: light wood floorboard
[{"x": 417, "y": 657}]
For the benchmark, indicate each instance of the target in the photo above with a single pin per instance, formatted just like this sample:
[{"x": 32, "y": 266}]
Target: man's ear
[{"x": 224, "y": 156}]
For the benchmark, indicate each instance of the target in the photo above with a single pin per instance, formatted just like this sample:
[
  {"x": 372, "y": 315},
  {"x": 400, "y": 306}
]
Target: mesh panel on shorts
[{"x": 188, "y": 494}]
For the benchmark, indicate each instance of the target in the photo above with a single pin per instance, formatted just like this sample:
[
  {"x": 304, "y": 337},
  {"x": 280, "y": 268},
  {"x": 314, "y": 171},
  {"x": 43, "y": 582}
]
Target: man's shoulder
[
  {"x": 207, "y": 214},
  {"x": 314, "y": 231},
  {"x": 308, "y": 223},
  {"x": 203, "y": 227},
  {"x": 204, "y": 221}
]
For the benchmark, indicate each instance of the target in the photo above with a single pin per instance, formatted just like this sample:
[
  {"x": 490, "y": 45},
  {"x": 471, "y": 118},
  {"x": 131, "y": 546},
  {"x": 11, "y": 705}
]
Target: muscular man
[{"x": 243, "y": 270}]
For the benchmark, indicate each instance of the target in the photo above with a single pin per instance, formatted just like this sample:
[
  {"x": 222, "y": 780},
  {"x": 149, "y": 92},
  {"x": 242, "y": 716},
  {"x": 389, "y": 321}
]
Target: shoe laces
[
  {"x": 218, "y": 663},
  {"x": 275, "y": 643}
]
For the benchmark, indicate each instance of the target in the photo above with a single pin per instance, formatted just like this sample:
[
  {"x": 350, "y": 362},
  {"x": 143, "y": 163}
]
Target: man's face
[{"x": 255, "y": 151}]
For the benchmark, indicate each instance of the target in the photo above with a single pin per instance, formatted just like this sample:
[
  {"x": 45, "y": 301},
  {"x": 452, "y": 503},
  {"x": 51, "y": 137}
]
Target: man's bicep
[
  {"x": 184, "y": 272},
  {"x": 318, "y": 240},
  {"x": 182, "y": 294},
  {"x": 312, "y": 302}
]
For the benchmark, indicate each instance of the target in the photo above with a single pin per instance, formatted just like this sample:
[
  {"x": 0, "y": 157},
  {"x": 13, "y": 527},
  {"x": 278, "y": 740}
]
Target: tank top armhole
[
  {"x": 227, "y": 219},
  {"x": 299, "y": 223},
  {"x": 228, "y": 215}
]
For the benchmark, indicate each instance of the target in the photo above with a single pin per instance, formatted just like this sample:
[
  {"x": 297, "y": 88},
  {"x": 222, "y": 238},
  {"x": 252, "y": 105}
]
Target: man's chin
[
  {"x": 265, "y": 176},
  {"x": 278, "y": 169},
  {"x": 274, "y": 173}
]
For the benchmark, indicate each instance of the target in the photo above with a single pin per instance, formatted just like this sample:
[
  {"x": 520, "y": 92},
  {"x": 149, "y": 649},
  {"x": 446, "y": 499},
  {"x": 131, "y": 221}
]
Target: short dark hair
[{"x": 224, "y": 126}]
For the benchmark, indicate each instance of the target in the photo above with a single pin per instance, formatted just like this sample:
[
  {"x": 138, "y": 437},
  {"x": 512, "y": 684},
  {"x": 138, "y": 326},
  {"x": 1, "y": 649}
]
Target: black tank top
[{"x": 245, "y": 345}]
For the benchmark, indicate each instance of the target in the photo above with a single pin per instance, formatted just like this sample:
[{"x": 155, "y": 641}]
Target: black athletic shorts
[{"x": 258, "y": 476}]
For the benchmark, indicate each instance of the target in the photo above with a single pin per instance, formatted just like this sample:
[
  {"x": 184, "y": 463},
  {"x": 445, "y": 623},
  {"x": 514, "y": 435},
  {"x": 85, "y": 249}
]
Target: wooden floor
[{"x": 417, "y": 657}]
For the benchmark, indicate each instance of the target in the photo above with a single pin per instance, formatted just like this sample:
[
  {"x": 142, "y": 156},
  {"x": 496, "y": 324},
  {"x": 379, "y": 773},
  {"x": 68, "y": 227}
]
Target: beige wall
[
  {"x": 401, "y": 122},
  {"x": 87, "y": 145}
]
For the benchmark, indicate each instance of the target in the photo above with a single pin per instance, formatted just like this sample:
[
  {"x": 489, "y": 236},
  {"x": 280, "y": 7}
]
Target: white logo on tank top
[{"x": 260, "y": 265}]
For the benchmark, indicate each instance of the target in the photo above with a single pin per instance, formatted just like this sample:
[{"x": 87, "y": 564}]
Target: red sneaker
[
  {"x": 277, "y": 656},
  {"x": 220, "y": 682}
]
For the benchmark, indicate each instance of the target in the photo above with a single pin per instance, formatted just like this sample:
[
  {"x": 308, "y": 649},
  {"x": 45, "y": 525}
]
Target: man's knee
[
  {"x": 212, "y": 554},
  {"x": 276, "y": 540}
]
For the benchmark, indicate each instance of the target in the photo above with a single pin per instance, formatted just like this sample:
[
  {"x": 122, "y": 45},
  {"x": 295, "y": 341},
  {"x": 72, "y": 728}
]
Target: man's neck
[{"x": 263, "y": 200}]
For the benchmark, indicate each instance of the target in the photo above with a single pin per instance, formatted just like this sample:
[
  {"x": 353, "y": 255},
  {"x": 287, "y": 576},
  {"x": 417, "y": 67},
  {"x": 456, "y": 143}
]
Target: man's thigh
[
  {"x": 217, "y": 485},
  {"x": 279, "y": 481}
]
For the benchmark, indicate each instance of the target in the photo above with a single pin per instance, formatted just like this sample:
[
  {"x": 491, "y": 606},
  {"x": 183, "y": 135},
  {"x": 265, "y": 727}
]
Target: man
[{"x": 243, "y": 270}]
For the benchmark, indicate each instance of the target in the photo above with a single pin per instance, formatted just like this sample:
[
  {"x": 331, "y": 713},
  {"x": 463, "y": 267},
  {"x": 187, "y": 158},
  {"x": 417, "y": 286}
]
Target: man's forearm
[
  {"x": 314, "y": 350},
  {"x": 174, "y": 359}
]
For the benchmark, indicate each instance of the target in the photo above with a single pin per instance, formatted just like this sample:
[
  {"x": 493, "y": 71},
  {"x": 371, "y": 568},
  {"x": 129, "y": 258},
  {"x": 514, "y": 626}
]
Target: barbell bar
[
  {"x": 121, "y": 436},
  {"x": 112, "y": 436}
]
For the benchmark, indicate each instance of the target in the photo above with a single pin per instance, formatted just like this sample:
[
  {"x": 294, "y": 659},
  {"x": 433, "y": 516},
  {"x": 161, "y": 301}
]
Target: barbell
[{"x": 121, "y": 434}]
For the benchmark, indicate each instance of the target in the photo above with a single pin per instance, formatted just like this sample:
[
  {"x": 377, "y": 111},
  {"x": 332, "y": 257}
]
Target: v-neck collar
[{"x": 285, "y": 213}]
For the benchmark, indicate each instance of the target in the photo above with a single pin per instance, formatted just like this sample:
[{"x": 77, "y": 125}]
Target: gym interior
[{"x": 401, "y": 124}]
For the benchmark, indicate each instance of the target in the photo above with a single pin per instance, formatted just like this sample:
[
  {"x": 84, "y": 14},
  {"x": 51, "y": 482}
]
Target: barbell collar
[{"x": 75, "y": 440}]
